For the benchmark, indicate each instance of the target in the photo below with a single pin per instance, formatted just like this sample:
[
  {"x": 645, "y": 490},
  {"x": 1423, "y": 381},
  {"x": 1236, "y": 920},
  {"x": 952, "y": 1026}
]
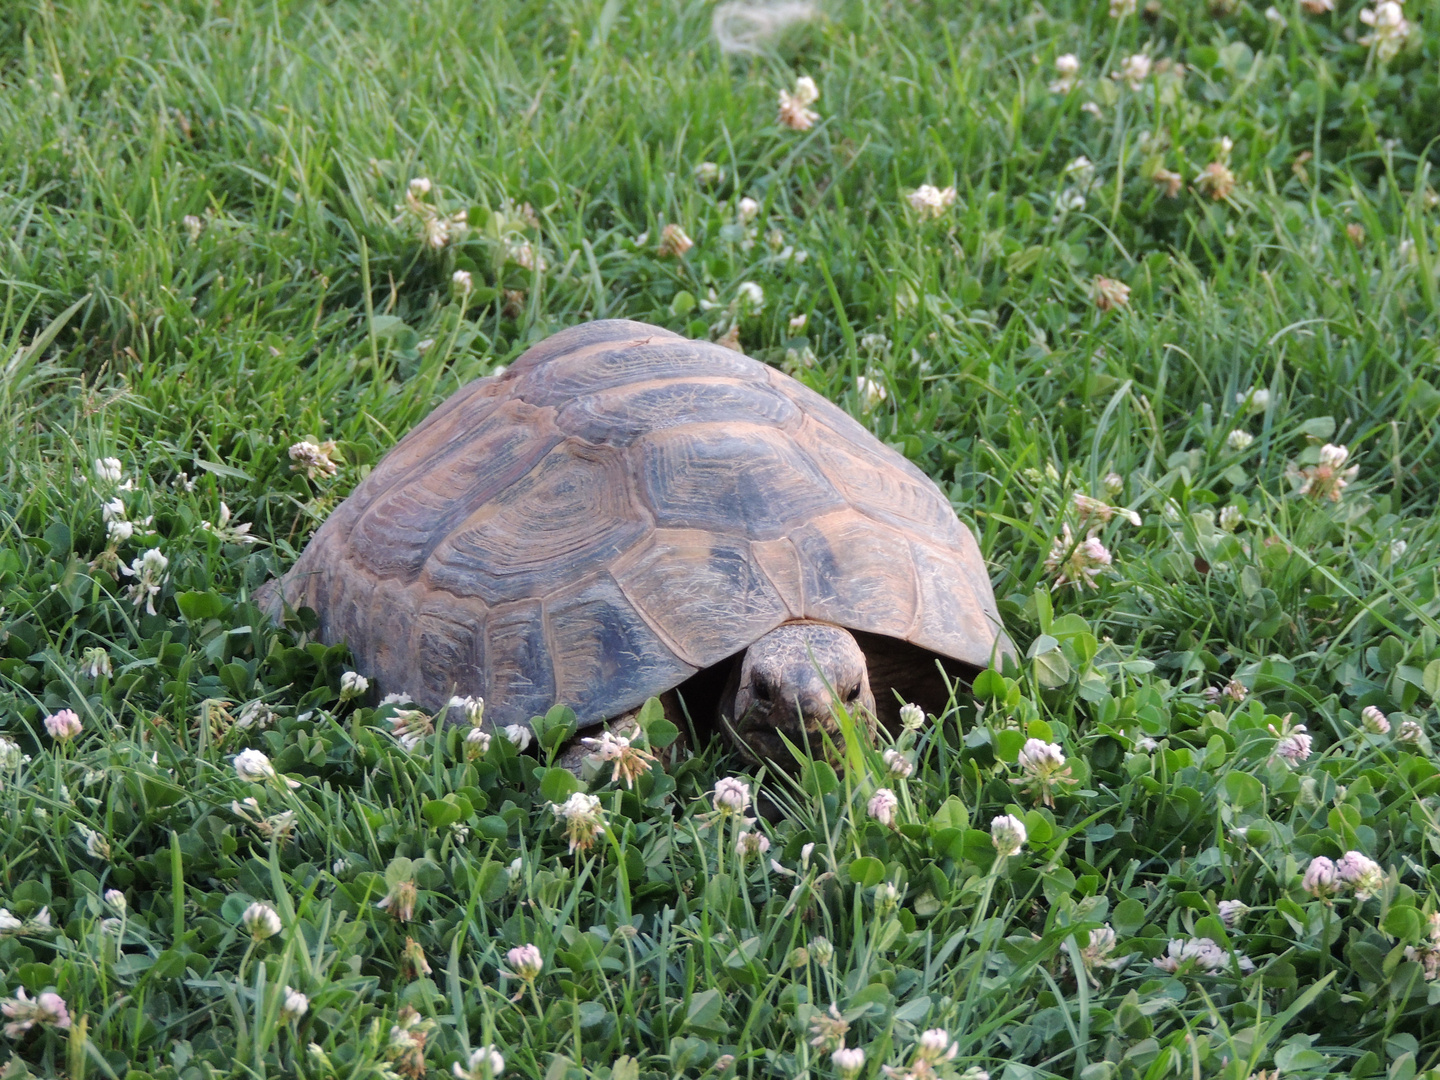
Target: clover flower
[
  {"x": 518, "y": 735},
  {"x": 897, "y": 765},
  {"x": 1374, "y": 721},
  {"x": 294, "y": 1006},
  {"x": 794, "y": 107},
  {"x": 936, "y": 1045},
  {"x": 525, "y": 962},
  {"x": 1230, "y": 518},
  {"x": 929, "y": 201},
  {"x": 401, "y": 899},
  {"x": 115, "y": 898},
  {"x": 1076, "y": 564},
  {"x": 1168, "y": 180},
  {"x": 314, "y": 459},
  {"x": 353, "y": 685},
  {"x": 870, "y": 391},
  {"x": 63, "y": 725},
  {"x": 1067, "y": 67},
  {"x": 1317, "y": 7},
  {"x": 731, "y": 795},
  {"x": 1320, "y": 878},
  {"x": 1231, "y": 912},
  {"x": 750, "y": 297},
  {"x": 260, "y": 921},
  {"x": 1135, "y": 69},
  {"x": 630, "y": 762},
  {"x": 1044, "y": 767},
  {"x": 848, "y": 1061},
  {"x": 674, "y": 242},
  {"x": 226, "y": 533},
  {"x": 149, "y": 574},
  {"x": 912, "y": 717},
  {"x": 1391, "y": 29},
  {"x": 406, "y": 1048},
  {"x": 827, "y": 1030},
  {"x": 882, "y": 806},
  {"x": 485, "y": 1063},
  {"x": 1008, "y": 835},
  {"x": 462, "y": 280},
  {"x": 108, "y": 470},
  {"x": 413, "y": 964},
  {"x": 747, "y": 208},
  {"x": 1361, "y": 873},
  {"x": 95, "y": 663},
  {"x": 1330, "y": 477},
  {"x": 1100, "y": 513},
  {"x": 1109, "y": 293},
  {"x": 584, "y": 820},
  {"x": 1099, "y": 944},
  {"x": 1216, "y": 180},
  {"x": 477, "y": 742},
  {"x": 1410, "y": 731},
  {"x": 751, "y": 843},
  {"x": 1292, "y": 743},
  {"x": 48, "y": 1010},
  {"x": 1198, "y": 954},
  {"x": 1120, "y": 8}
]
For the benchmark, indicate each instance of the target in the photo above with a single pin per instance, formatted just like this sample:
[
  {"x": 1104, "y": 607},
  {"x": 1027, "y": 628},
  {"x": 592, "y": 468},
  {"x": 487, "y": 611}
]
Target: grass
[{"x": 301, "y": 303}]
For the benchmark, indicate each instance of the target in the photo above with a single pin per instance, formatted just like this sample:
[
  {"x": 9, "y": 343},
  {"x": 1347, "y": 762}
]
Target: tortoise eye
[
  {"x": 763, "y": 689},
  {"x": 853, "y": 696}
]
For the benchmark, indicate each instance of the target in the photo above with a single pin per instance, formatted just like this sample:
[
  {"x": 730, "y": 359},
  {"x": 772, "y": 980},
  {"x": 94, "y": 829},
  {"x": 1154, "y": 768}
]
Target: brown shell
[{"x": 620, "y": 509}]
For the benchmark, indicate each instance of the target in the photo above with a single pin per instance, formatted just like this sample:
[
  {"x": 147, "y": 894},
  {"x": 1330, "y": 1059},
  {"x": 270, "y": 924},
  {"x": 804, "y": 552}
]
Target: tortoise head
[{"x": 790, "y": 682}]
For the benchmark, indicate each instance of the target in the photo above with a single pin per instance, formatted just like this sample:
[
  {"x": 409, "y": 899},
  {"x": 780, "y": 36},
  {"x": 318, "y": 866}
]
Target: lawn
[{"x": 1151, "y": 294}]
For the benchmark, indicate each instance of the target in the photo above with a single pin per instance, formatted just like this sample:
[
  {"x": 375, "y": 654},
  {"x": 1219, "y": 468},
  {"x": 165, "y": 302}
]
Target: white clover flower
[
  {"x": 1410, "y": 731},
  {"x": 115, "y": 898},
  {"x": 63, "y": 725},
  {"x": 929, "y": 201},
  {"x": 108, "y": 470},
  {"x": 260, "y": 921},
  {"x": 420, "y": 185},
  {"x": 1320, "y": 878},
  {"x": 226, "y": 533},
  {"x": 797, "y": 322},
  {"x": 485, "y": 1063},
  {"x": 1099, "y": 945},
  {"x": 149, "y": 574},
  {"x": 193, "y": 226},
  {"x": 1008, "y": 835},
  {"x": 707, "y": 172},
  {"x": 871, "y": 391},
  {"x": 584, "y": 820},
  {"x": 519, "y": 734},
  {"x": 1077, "y": 564},
  {"x": 1200, "y": 954},
  {"x": 747, "y": 208},
  {"x": 936, "y": 1045},
  {"x": 462, "y": 280},
  {"x": 1329, "y": 479},
  {"x": 751, "y": 843},
  {"x": 411, "y": 727},
  {"x": 314, "y": 459},
  {"x": 1230, "y": 518},
  {"x": 1120, "y": 8},
  {"x": 525, "y": 962},
  {"x": 1231, "y": 912},
  {"x": 253, "y": 767},
  {"x": 1135, "y": 69},
  {"x": 1274, "y": 15},
  {"x": 912, "y": 717},
  {"x": 295, "y": 1005},
  {"x": 9, "y": 923},
  {"x": 1374, "y": 721},
  {"x": 1255, "y": 400},
  {"x": 848, "y": 1061},
  {"x": 48, "y": 1010},
  {"x": 1398, "y": 549},
  {"x": 1109, "y": 293},
  {"x": 119, "y": 531},
  {"x": 882, "y": 806},
  {"x": 1293, "y": 743},
  {"x": 750, "y": 297},
  {"x": 674, "y": 242},
  {"x": 1391, "y": 29},
  {"x": 897, "y": 764},
  {"x": 1067, "y": 67},
  {"x": 887, "y": 898},
  {"x": 477, "y": 742},
  {"x": 96, "y": 845},
  {"x": 396, "y": 699},
  {"x": 731, "y": 795},
  {"x": 353, "y": 685},
  {"x": 95, "y": 663},
  {"x": 628, "y": 762},
  {"x": 472, "y": 707},
  {"x": 1361, "y": 873},
  {"x": 794, "y": 107}
]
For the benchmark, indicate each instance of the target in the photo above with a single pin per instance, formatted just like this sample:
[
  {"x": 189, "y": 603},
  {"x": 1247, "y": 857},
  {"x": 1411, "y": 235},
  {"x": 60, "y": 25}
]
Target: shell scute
[
  {"x": 723, "y": 596},
  {"x": 519, "y": 675},
  {"x": 574, "y": 509},
  {"x": 606, "y": 658},
  {"x": 857, "y": 573},
  {"x": 623, "y": 414},
  {"x": 604, "y": 367},
  {"x": 692, "y": 480}
]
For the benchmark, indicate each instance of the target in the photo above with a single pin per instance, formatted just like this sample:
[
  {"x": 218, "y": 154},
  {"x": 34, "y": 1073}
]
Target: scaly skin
[{"x": 788, "y": 685}]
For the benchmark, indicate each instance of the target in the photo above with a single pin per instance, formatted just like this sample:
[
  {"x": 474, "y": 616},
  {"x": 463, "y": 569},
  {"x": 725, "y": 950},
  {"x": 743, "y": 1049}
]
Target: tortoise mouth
[{"x": 785, "y": 745}]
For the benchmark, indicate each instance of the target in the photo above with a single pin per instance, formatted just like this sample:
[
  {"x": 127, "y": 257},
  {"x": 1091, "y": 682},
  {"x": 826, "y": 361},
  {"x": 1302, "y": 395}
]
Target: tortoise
[{"x": 625, "y": 512}]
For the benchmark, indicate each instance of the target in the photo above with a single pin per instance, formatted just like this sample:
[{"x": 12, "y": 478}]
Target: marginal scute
[
  {"x": 450, "y": 650},
  {"x": 607, "y": 660},
  {"x": 958, "y": 617},
  {"x": 573, "y": 509},
  {"x": 519, "y": 675},
  {"x": 748, "y": 479},
  {"x": 723, "y": 595}
]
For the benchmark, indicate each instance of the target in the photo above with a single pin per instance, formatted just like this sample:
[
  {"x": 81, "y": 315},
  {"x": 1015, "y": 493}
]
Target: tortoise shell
[{"x": 620, "y": 509}]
